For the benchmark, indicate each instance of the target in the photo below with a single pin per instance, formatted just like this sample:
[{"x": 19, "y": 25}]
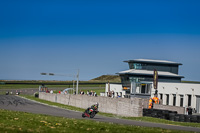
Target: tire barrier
[{"x": 171, "y": 115}]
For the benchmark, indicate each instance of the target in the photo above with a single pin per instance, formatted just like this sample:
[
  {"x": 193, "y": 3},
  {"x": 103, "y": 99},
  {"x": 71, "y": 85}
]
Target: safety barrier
[{"x": 170, "y": 115}]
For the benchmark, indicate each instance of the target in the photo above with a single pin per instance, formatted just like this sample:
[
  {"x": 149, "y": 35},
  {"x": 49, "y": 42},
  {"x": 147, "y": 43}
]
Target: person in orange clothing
[
  {"x": 156, "y": 99},
  {"x": 150, "y": 103}
]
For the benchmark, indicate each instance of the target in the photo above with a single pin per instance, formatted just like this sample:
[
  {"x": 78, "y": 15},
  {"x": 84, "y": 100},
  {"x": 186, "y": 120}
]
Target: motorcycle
[{"x": 89, "y": 113}]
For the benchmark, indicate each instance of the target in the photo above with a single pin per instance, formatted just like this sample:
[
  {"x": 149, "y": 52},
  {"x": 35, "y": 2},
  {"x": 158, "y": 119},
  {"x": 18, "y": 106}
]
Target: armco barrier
[
  {"x": 120, "y": 106},
  {"x": 170, "y": 115}
]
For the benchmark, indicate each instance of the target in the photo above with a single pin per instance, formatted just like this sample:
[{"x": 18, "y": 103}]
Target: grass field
[
  {"x": 25, "y": 86},
  {"x": 16, "y": 122},
  {"x": 94, "y": 87}
]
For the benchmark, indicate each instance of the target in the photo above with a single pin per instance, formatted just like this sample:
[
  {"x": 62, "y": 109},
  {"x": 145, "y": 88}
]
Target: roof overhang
[
  {"x": 153, "y": 61},
  {"x": 149, "y": 73}
]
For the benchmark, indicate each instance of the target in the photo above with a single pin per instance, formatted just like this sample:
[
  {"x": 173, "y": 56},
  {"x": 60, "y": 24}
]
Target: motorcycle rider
[{"x": 94, "y": 107}]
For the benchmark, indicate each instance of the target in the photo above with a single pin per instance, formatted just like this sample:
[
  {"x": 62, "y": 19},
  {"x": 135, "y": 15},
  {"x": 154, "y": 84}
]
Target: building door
[
  {"x": 181, "y": 100},
  {"x": 174, "y": 99},
  {"x": 167, "y": 99},
  {"x": 189, "y": 100},
  {"x": 143, "y": 88},
  {"x": 198, "y": 104}
]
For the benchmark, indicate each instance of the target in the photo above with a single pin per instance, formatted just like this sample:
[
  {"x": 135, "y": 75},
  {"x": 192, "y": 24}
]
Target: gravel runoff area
[{"x": 16, "y": 103}]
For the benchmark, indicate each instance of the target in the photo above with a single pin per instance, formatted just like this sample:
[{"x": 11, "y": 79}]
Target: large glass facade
[
  {"x": 127, "y": 79},
  {"x": 136, "y": 66},
  {"x": 158, "y": 67}
]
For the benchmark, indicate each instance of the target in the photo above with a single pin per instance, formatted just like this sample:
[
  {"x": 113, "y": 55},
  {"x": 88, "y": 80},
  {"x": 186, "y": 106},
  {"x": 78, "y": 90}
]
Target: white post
[
  {"x": 194, "y": 100},
  {"x": 73, "y": 87},
  {"x": 177, "y": 99},
  {"x": 185, "y": 101},
  {"x": 164, "y": 99},
  {"x": 131, "y": 89},
  {"x": 171, "y": 99}
]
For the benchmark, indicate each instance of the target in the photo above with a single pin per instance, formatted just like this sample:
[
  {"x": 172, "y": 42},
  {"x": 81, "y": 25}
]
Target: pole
[
  {"x": 77, "y": 82},
  {"x": 73, "y": 87},
  {"x": 155, "y": 81}
]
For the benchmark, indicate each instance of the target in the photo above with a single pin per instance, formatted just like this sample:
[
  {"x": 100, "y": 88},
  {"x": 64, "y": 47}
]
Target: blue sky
[{"x": 96, "y": 36}]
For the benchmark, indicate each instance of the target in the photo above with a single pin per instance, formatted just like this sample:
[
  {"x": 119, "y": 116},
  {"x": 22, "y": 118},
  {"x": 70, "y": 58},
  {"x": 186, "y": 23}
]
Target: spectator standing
[
  {"x": 150, "y": 103},
  {"x": 82, "y": 93},
  {"x": 91, "y": 93},
  {"x": 113, "y": 94},
  {"x": 95, "y": 94},
  {"x": 156, "y": 99}
]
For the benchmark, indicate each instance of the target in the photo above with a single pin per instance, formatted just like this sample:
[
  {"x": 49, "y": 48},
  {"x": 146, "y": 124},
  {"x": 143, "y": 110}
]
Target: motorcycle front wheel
[{"x": 83, "y": 115}]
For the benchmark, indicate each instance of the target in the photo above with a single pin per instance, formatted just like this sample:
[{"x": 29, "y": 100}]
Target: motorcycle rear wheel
[{"x": 92, "y": 115}]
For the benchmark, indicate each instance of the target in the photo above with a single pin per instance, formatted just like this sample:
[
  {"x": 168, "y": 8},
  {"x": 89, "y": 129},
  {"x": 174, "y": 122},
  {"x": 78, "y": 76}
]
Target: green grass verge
[
  {"x": 147, "y": 119},
  {"x": 15, "y": 122},
  {"x": 157, "y": 120}
]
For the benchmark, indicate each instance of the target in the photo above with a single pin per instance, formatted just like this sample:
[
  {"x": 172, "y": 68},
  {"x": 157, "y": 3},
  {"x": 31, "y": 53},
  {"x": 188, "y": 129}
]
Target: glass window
[
  {"x": 167, "y": 99},
  {"x": 181, "y": 100},
  {"x": 137, "y": 66},
  {"x": 174, "y": 99},
  {"x": 142, "y": 88},
  {"x": 131, "y": 66},
  {"x": 189, "y": 100},
  {"x": 161, "y": 96}
]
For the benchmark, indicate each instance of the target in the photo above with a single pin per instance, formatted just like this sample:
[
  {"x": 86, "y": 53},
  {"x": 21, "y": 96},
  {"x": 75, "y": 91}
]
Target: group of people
[
  {"x": 89, "y": 93},
  {"x": 112, "y": 94},
  {"x": 152, "y": 101}
]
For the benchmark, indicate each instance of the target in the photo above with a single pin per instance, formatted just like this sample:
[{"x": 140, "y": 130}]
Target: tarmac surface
[{"x": 16, "y": 103}]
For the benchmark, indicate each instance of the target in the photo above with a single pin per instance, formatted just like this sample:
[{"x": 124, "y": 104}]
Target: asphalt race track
[{"x": 16, "y": 103}]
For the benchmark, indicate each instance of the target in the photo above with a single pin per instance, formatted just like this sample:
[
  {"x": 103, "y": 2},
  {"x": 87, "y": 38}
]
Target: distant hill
[
  {"x": 106, "y": 78},
  {"x": 195, "y": 82}
]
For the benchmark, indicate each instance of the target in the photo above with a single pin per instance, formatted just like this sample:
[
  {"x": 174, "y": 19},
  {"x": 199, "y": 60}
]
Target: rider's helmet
[{"x": 97, "y": 104}]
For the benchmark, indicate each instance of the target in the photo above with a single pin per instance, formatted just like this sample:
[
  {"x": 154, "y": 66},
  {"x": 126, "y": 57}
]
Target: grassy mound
[{"x": 106, "y": 78}]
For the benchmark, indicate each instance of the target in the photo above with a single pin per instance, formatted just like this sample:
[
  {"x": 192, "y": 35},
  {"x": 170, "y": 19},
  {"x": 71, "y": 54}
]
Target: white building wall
[
  {"x": 117, "y": 88},
  {"x": 178, "y": 89}
]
